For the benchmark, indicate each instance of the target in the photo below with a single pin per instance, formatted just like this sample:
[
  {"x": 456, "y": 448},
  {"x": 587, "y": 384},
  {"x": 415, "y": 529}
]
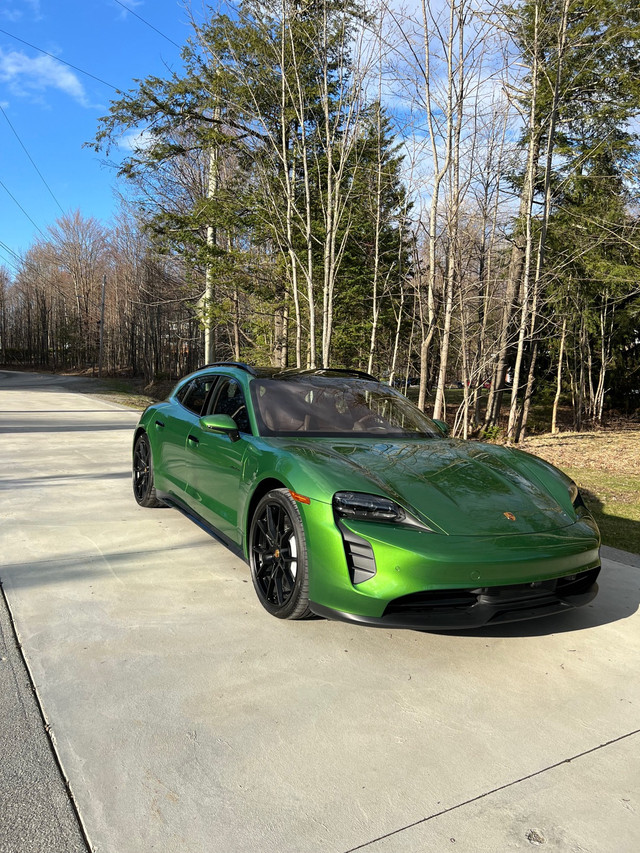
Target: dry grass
[
  {"x": 606, "y": 466},
  {"x": 132, "y": 393}
]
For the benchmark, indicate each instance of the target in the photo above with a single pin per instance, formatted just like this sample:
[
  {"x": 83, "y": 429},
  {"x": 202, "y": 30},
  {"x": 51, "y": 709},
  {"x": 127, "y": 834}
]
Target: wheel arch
[
  {"x": 140, "y": 430},
  {"x": 264, "y": 486}
]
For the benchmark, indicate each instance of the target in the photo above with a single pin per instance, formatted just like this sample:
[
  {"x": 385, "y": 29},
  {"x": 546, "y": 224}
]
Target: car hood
[{"x": 461, "y": 488}]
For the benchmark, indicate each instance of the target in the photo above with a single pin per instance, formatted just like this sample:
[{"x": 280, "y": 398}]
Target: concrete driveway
[{"x": 187, "y": 720}]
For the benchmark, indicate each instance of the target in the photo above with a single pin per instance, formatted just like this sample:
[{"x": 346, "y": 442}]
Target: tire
[
  {"x": 278, "y": 557},
  {"x": 143, "y": 488}
]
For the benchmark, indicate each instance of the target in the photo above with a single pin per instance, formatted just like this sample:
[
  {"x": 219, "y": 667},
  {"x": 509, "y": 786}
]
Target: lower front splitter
[{"x": 486, "y": 610}]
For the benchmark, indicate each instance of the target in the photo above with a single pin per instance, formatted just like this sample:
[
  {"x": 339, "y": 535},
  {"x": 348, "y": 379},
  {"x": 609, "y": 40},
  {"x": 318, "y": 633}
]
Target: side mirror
[
  {"x": 442, "y": 426},
  {"x": 221, "y": 423}
]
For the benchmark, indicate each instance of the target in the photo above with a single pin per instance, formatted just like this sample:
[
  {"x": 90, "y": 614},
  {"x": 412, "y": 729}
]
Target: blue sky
[{"x": 54, "y": 109}]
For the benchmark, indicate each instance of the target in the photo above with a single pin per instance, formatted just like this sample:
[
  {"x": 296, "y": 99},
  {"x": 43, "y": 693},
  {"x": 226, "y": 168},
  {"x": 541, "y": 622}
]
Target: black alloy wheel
[
  {"x": 143, "y": 487},
  {"x": 278, "y": 556}
]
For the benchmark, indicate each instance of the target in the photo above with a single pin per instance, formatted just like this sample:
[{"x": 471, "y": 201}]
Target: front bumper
[
  {"x": 473, "y": 608},
  {"x": 415, "y": 579}
]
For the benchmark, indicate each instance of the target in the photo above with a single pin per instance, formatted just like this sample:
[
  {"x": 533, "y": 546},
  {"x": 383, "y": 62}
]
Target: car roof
[{"x": 292, "y": 373}]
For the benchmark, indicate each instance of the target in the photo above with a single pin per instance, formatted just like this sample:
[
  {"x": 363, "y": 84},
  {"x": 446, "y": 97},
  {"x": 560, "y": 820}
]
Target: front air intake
[{"x": 360, "y": 558}]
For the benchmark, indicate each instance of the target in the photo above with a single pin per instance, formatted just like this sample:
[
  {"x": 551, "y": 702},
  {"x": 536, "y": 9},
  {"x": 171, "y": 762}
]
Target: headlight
[
  {"x": 367, "y": 507},
  {"x": 363, "y": 507}
]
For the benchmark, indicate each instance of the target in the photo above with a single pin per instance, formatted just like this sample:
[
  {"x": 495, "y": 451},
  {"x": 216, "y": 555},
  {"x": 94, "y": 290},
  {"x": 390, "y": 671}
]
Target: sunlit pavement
[{"x": 187, "y": 720}]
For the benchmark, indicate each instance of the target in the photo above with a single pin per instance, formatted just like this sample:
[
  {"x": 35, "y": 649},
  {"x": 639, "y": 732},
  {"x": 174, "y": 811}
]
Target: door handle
[
  {"x": 159, "y": 423},
  {"x": 193, "y": 439}
]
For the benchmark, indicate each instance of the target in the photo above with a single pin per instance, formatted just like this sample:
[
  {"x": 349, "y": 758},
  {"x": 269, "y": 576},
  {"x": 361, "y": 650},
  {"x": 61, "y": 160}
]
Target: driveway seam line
[
  {"x": 45, "y": 724},
  {"x": 493, "y": 791}
]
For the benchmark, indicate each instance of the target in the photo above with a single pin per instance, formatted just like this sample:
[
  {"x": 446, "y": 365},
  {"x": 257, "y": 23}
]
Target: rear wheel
[
  {"x": 278, "y": 556},
  {"x": 143, "y": 487}
]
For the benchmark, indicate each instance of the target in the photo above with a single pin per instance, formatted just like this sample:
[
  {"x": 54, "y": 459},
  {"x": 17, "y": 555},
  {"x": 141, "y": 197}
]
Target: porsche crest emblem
[{"x": 509, "y": 515}]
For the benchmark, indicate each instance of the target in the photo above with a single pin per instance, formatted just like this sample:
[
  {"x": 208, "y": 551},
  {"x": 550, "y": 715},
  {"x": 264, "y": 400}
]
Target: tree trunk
[
  {"x": 441, "y": 167},
  {"x": 556, "y": 399},
  {"x": 515, "y": 420}
]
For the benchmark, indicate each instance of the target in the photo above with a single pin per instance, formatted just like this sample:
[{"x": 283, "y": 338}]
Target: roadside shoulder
[
  {"x": 36, "y": 812},
  {"x": 619, "y": 556}
]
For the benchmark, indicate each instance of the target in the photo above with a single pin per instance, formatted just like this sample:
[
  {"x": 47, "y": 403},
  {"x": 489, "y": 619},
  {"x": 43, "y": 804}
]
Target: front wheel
[
  {"x": 278, "y": 556},
  {"x": 143, "y": 487}
]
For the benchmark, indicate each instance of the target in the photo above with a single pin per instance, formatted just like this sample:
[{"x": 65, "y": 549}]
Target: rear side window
[
  {"x": 183, "y": 391},
  {"x": 193, "y": 395}
]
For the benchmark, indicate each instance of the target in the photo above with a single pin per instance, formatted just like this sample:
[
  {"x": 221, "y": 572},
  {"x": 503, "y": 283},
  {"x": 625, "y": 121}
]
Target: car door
[
  {"x": 216, "y": 461},
  {"x": 173, "y": 425}
]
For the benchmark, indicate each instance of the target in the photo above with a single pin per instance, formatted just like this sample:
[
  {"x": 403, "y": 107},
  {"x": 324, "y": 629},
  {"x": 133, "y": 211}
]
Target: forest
[{"x": 444, "y": 194}]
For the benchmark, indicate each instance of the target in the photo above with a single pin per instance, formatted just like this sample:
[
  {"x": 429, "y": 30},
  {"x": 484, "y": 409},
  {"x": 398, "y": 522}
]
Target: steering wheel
[{"x": 369, "y": 423}]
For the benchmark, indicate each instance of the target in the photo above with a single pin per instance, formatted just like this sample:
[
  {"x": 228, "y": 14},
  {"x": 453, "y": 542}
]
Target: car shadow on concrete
[
  {"x": 37, "y": 482},
  {"x": 22, "y": 428},
  {"x": 65, "y": 568}
]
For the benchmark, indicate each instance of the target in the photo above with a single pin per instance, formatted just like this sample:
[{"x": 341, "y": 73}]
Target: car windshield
[{"x": 321, "y": 406}]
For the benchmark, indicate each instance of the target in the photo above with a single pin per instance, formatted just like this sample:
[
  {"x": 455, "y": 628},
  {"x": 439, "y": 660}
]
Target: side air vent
[{"x": 360, "y": 557}]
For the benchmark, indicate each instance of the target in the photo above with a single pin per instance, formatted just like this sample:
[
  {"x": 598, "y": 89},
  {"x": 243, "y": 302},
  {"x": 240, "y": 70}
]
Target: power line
[
  {"x": 57, "y": 58},
  {"x": 31, "y": 159},
  {"x": 13, "y": 263},
  {"x": 11, "y": 252},
  {"x": 21, "y": 262},
  {"x": 8, "y": 191},
  {"x": 140, "y": 18},
  {"x": 81, "y": 71},
  {"x": 69, "y": 65}
]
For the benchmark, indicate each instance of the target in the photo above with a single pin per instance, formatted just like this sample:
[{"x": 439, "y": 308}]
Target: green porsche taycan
[{"x": 349, "y": 503}]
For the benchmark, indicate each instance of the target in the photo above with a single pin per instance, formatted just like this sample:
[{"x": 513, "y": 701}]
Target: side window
[
  {"x": 196, "y": 393},
  {"x": 230, "y": 401},
  {"x": 182, "y": 392}
]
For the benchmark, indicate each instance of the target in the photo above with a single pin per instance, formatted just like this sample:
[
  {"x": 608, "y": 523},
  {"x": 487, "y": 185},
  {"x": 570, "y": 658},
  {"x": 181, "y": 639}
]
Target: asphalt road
[
  {"x": 36, "y": 812},
  {"x": 186, "y": 720}
]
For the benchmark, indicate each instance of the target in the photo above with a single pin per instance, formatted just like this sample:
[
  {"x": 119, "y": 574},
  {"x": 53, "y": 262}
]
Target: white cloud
[
  {"x": 135, "y": 141},
  {"x": 26, "y": 75},
  {"x": 17, "y": 10},
  {"x": 132, "y": 4}
]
